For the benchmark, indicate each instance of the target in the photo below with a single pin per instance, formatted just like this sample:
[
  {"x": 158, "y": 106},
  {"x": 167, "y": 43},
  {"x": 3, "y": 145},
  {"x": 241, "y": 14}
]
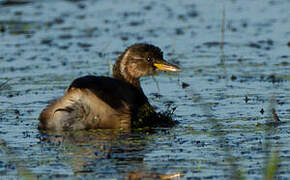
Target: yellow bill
[{"x": 166, "y": 67}]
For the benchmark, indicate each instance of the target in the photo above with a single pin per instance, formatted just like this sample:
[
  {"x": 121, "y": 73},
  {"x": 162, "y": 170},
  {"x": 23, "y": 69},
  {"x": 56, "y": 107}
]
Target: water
[{"x": 224, "y": 113}]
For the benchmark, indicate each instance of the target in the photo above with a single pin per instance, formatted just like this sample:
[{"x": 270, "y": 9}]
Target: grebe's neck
[{"x": 120, "y": 71}]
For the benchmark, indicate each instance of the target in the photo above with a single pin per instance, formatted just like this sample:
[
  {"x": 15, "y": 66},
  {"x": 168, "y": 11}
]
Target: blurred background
[{"x": 232, "y": 97}]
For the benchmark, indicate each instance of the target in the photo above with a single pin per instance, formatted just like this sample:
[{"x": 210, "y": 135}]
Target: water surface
[{"x": 225, "y": 113}]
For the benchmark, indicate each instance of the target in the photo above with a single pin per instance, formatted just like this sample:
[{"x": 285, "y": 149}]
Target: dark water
[{"x": 225, "y": 113}]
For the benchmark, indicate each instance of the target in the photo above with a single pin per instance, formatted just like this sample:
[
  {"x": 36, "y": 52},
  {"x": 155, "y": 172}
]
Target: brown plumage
[{"x": 93, "y": 102}]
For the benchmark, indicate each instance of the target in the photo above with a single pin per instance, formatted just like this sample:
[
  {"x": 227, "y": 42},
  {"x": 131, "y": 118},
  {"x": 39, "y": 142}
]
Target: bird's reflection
[{"x": 99, "y": 151}]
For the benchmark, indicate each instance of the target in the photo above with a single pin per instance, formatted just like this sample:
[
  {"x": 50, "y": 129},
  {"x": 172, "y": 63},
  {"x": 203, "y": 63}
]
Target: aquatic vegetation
[{"x": 148, "y": 118}]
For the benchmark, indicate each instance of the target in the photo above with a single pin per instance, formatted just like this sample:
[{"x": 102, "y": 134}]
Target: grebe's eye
[{"x": 149, "y": 59}]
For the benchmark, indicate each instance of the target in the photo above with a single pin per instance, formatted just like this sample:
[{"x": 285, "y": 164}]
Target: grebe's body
[{"x": 93, "y": 102}]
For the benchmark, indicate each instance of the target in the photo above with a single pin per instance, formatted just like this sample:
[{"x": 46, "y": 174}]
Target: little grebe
[{"x": 93, "y": 102}]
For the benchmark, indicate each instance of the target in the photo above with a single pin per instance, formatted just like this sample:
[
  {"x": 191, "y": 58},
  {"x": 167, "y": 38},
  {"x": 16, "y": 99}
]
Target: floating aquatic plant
[{"x": 147, "y": 117}]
